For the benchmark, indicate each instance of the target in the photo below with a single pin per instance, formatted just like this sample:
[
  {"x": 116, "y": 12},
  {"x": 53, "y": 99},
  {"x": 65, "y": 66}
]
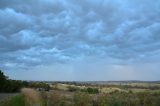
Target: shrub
[
  {"x": 102, "y": 100},
  {"x": 72, "y": 89},
  {"x": 31, "y": 96},
  {"x": 55, "y": 99},
  {"x": 82, "y": 99},
  {"x": 44, "y": 98},
  {"x": 90, "y": 90}
]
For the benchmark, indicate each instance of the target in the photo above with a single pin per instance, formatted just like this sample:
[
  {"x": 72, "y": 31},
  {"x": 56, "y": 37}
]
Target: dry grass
[
  {"x": 31, "y": 96},
  {"x": 111, "y": 89}
]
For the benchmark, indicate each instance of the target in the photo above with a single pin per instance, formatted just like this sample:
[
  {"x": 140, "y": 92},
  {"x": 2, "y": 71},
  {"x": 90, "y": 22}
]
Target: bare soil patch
[{"x": 6, "y": 95}]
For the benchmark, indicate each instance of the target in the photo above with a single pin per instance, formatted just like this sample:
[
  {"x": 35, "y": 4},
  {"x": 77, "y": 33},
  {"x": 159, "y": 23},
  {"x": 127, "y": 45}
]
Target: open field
[
  {"x": 110, "y": 86},
  {"x": 89, "y": 94}
]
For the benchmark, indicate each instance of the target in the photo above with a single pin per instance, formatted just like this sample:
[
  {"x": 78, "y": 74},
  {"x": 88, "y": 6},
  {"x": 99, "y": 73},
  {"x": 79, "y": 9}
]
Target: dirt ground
[{"x": 6, "y": 95}]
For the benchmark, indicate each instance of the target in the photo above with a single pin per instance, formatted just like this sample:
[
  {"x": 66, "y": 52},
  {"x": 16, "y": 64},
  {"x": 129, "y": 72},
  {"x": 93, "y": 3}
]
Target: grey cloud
[
  {"x": 44, "y": 32},
  {"x": 34, "y": 7},
  {"x": 13, "y": 22}
]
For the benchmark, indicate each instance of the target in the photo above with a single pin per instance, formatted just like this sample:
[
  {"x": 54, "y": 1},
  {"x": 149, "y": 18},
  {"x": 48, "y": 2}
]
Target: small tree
[{"x": 2, "y": 81}]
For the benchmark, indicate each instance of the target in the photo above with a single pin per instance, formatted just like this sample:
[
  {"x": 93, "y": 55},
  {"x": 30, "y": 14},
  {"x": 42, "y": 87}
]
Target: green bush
[
  {"x": 90, "y": 90},
  {"x": 72, "y": 89},
  {"x": 82, "y": 99}
]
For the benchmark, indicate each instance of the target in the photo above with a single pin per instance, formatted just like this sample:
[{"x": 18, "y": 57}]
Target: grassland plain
[{"x": 84, "y": 95}]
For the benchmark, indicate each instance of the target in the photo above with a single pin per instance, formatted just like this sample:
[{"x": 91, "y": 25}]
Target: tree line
[{"x": 8, "y": 85}]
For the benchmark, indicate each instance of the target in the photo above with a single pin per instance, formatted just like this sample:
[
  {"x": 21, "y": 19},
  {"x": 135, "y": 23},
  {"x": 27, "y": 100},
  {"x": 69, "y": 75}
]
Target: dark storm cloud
[{"x": 57, "y": 31}]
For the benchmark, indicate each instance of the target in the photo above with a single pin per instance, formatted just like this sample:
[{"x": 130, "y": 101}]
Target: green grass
[{"x": 17, "y": 100}]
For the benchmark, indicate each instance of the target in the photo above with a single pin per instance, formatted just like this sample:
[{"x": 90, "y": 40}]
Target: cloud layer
[{"x": 75, "y": 33}]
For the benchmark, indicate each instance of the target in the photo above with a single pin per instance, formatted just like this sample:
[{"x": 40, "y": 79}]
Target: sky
[{"x": 80, "y": 40}]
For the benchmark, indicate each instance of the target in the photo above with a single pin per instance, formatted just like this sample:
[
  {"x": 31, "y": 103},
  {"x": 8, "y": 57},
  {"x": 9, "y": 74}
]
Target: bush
[
  {"x": 72, "y": 89},
  {"x": 7, "y": 85},
  {"x": 55, "y": 99},
  {"x": 31, "y": 96},
  {"x": 82, "y": 99},
  {"x": 92, "y": 90}
]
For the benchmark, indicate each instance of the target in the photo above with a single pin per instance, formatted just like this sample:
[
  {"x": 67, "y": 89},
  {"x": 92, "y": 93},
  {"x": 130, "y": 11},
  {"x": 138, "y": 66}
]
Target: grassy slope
[{"x": 13, "y": 101}]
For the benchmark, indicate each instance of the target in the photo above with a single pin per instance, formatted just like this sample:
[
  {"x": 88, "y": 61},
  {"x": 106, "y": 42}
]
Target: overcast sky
[{"x": 80, "y": 40}]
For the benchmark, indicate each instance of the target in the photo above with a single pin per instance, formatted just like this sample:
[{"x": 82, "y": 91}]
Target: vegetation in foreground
[
  {"x": 17, "y": 100},
  {"x": 31, "y": 97},
  {"x": 79, "y": 94}
]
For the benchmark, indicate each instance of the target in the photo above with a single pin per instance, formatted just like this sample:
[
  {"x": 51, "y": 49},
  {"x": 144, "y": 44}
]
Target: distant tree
[
  {"x": 92, "y": 90},
  {"x": 2, "y": 81},
  {"x": 7, "y": 85}
]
